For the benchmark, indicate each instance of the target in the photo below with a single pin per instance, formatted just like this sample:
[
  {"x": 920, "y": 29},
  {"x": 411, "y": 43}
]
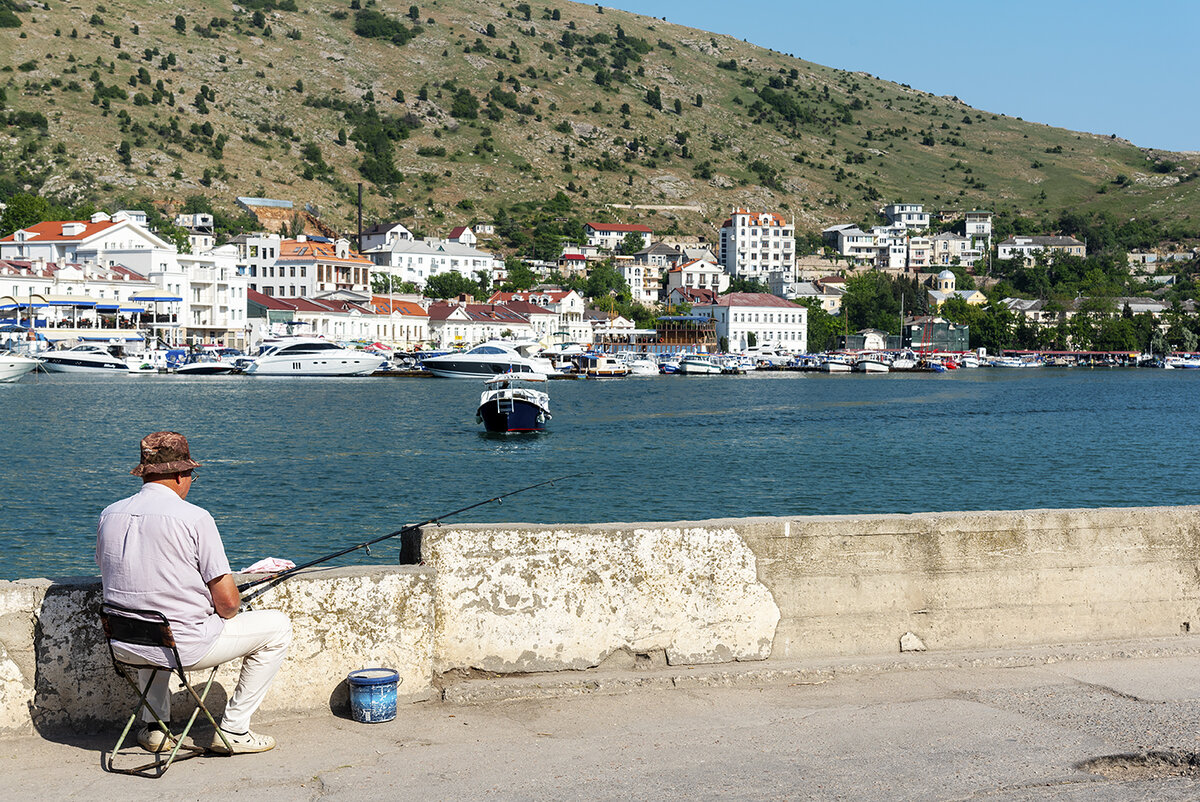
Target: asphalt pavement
[{"x": 1108, "y": 722}]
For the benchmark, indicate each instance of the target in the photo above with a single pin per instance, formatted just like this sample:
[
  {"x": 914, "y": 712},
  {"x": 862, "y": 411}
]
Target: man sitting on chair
[{"x": 158, "y": 552}]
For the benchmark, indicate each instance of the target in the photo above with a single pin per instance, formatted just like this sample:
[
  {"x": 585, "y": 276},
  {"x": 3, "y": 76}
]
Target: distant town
[{"x": 114, "y": 275}]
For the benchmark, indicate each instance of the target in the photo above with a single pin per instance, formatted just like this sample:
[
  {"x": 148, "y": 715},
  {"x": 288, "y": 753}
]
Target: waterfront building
[
  {"x": 932, "y": 333},
  {"x": 216, "y": 302},
  {"x": 756, "y": 245},
  {"x": 303, "y": 267},
  {"x": 1028, "y": 248},
  {"x": 72, "y": 301},
  {"x": 333, "y": 319},
  {"x": 404, "y": 323},
  {"x": 611, "y": 236},
  {"x": 454, "y": 324},
  {"x": 769, "y": 320},
  {"x": 567, "y": 306}
]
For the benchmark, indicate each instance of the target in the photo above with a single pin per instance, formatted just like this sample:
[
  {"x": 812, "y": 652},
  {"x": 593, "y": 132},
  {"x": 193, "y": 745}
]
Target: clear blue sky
[{"x": 1124, "y": 67}]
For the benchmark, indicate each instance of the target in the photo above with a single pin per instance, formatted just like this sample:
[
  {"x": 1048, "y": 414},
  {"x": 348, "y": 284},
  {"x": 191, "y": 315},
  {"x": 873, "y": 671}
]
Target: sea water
[{"x": 298, "y": 468}]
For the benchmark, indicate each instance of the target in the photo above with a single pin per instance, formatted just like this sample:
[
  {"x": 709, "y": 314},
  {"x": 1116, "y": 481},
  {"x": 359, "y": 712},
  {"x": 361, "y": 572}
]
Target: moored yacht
[
  {"x": 700, "y": 364},
  {"x": 483, "y": 361},
  {"x": 311, "y": 356},
  {"x": 14, "y": 366},
  {"x": 84, "y": 358}
]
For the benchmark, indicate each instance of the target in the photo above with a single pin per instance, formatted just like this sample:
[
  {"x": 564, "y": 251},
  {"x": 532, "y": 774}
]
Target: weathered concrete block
[
  {"x": 343, "y": 619},
  {"x": 536, "y": 598}
]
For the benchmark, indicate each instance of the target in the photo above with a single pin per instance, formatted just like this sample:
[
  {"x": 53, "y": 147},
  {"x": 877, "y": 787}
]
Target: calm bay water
[{"x": 298, "y": 468}]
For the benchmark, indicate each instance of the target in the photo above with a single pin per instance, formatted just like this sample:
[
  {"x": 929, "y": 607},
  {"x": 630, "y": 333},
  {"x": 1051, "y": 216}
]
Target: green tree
[
  {"x": 604, "y": 281},
  {"x": 465, "y": 105},
  {"x": 180, "y": 24},
  {"x": 520, "y": 276},
  {"x": 632, "y": 243},
  {"x": 822, "y": 326},
  {"x": 450, "y": 285},
  {"x": 23, "y": 210}
]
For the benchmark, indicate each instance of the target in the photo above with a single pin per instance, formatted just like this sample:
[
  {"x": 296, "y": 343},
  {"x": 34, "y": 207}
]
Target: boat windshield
[
  {"x": 306, "y": 348},
  {"x": 487, "y": 349}
]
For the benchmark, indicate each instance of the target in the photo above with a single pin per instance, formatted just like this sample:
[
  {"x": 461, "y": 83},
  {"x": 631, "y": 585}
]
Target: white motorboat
[
  {"x": 311, "y": 356},
  {"x": 700, "y": 364},
  {"x": 599, "y": 366},
  {"x": 871, "y": 364},
  {"x": 639, "y": 364},
  {"x": 1014, "y": 362},
  {"x": 84, "y": 358},
  {"x": 484, "y": 361},
  {"x": 835, "y": 363},
  {"x": 905, "y": 360},
  {"x": 206, "y": 363},
  {"x": 968, "y": 361},
  {"x": 14, "y": 366},
  {"x": 1175, "y": 362}
]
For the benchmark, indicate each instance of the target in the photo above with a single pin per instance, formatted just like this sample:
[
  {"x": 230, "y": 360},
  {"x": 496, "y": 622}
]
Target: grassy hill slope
[{"x": 466, "y": 106}]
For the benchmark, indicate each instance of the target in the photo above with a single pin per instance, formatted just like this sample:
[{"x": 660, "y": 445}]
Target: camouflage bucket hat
[{"x": 164, "y": 452}]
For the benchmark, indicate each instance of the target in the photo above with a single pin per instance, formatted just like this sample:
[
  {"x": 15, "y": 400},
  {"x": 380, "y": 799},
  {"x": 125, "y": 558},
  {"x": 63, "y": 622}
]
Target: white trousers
[{"x": 261, "y": 638}]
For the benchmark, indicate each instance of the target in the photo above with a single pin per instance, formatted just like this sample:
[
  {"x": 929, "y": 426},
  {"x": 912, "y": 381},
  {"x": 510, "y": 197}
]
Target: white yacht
[
  {"x": 311, "y": 356},
  {"x": 85, "y": 358},
  {"x": 14, "y": 366},
  {"x": 872, "y": 363},
  {"x": 641, "y": 365},
  {"x": 701, "y": 364},
  {"x": 490, "y": 359}
]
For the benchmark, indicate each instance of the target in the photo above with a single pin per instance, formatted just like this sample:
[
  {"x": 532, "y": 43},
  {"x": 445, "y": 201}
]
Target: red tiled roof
[
  {"x": 621, "y": 227},
  {"x": 574, "y": 257},
  {"x": 385, "y": 305},
  {"x": 51, "y": 231},
  {"x": 457, "y": 232},
  {"x": 697, "y": 295},
  {"x": 526, "y": 308},
  {"x": 753, "y": 299},
  {"x": 498, "y": 313},
  {"x": 292, "y": 250}
]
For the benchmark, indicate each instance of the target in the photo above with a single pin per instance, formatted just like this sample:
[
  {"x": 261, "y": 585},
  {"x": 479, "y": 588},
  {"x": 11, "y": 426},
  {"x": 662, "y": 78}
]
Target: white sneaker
[
  {"x": 153, "y": 739},
  {"x": 243, "y": 743}
]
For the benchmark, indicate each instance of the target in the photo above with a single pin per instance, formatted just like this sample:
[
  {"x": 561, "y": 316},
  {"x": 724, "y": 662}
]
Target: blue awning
[
  {"x": 141, "y": 299},
  {"x": 107, "y": 307},
  {"x": 129, "y": 338}
]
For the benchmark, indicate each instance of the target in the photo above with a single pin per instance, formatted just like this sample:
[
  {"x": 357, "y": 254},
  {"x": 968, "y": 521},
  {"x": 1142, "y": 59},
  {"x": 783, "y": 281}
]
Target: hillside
[{"x": 449, "y": 110}]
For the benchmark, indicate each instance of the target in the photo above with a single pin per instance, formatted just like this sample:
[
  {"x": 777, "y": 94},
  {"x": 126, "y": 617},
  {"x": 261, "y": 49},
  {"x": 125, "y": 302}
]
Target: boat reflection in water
[{"x": 509, "y": 405}]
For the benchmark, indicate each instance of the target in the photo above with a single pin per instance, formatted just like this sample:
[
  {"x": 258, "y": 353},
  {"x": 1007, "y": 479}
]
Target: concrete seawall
[{"x": 521, "y": 598}]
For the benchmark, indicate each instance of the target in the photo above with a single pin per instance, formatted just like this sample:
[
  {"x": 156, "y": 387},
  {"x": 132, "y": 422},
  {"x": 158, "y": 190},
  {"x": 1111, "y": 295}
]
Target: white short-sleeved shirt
[{"x": 158, "y": 552}]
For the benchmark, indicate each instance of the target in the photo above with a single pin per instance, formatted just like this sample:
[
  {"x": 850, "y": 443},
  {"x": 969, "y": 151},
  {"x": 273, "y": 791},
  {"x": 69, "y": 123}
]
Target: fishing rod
[{"x": 275, "y": 579}]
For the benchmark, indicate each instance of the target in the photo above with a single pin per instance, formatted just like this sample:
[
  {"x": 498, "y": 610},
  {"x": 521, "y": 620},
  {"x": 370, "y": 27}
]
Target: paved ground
[{"x": 926, "y": 728}]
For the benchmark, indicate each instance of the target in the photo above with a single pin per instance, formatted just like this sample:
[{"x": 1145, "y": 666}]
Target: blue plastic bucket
[{"x": 373, "y": 694}]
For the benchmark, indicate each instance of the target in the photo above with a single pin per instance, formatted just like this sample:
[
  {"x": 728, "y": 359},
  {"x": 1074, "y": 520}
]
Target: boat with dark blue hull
[{"x": 508, "y": 405}]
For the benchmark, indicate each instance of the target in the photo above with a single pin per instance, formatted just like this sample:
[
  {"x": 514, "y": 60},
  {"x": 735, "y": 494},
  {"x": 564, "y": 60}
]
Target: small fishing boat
[
  {"x": 641, "y": 365},
  {"x": 510, "y": 405}
]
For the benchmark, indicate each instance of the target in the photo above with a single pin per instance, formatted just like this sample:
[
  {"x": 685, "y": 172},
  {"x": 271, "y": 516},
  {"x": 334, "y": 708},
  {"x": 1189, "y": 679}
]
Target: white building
[
  {"x": 567, "y": 306},
  {"x": 611, "y": 236},
  {"x": 216, "y": 300},
  {"x": 906, "y": 215},
  {"x": 644, "y": 280},
  {"x": 329, "y": 318},
  {"x": 772, "y": 321},
  {"x": 111, "y": 242},
  {"x": 698, "y": 274},
  {"x": 952, "y": 249},
  {"x": 402, "y": 323},
  {"x": 457, "y": 323},
  {"x": 382, "y": 234},
  {"x": 979, "y": 227},
  {"x": 756, "y": 245},
  {"x": 1027, "y": 248},
  {"x": 417, "y": 260},
  {"x": 199, "y": 230}
]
